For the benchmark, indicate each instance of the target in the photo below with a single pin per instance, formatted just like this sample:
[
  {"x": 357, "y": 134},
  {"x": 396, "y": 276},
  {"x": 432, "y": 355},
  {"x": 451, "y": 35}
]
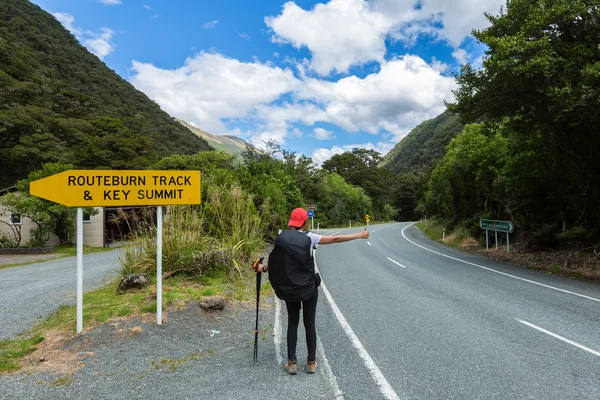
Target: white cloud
[
  {"x": 320, "y": 155},
  {"x": 109, "y": 2},
  {"x": 96, "y": 42},
  {"x": 439, "y": 66},
  {"x": 451, "y": 21},
  {"x": 67, "y": 21},
  {"x": 211, "y": 24},
  {"x": 210, "y": 86},
  {"x": 277, "y": 121},
  {"x": 322, "y": 134},
  {"x": 339, "y": 34},
  {"x": 461, "y": 56},
  {"x": 147, "y": 7},
  {"x": 403, "y": 93},
  {"x": 297, "y": 132},
  {"x": 244, "y": 35},
  {"x": 99, "y": 43},
  {"x": 343, "y": 33}
]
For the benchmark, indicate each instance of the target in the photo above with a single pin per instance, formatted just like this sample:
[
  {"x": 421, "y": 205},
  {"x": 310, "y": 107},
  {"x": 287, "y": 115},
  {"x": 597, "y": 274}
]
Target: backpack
[{"x": 291, "y": 267}]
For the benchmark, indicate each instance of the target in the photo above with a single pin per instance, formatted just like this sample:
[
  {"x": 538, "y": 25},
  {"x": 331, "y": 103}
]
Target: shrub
[{"x": 221, "y": 235}]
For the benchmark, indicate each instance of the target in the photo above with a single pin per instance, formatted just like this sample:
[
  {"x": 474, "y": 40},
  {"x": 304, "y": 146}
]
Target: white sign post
[
  {"x": 159, "y": 228},
  {"x": 79, "y": 269}
]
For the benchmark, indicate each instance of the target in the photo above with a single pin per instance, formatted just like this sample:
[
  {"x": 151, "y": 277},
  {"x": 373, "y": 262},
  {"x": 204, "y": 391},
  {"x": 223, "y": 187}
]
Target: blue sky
[{"x": 318, "y": 77}]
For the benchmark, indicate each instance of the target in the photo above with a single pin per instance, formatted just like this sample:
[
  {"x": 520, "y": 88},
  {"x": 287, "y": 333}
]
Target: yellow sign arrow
[{"x": 99, "y": 188}]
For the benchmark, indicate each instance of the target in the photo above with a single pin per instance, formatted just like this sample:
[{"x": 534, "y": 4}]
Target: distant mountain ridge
[
  {"x": 60, "y": 103},
  {"x": 424, "y": 146},
  {"x": 227, "y": 143}
]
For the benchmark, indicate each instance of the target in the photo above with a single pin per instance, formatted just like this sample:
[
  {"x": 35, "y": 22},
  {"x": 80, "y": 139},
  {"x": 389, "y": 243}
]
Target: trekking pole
[{"x": 258, "y": 283}]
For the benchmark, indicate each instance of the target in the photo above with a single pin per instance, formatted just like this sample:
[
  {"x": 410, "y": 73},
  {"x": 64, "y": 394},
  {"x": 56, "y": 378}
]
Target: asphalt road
[
  {"x": 30, "y": 293},
  {"x": 423, "y": 321}
]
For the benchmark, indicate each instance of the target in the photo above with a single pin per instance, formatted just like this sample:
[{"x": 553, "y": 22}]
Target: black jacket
[{"x": 291, "y": 267}]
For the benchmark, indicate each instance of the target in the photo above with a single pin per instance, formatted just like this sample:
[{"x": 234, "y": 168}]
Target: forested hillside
[
  {"x": 424, "y": 145},
  {"x": 536, "y": 158},
  {"x": 59, "y": 102}
]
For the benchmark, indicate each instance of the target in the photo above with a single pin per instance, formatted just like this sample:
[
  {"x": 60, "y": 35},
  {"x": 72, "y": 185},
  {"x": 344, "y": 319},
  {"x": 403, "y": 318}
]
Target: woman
[{"x": 292, "y": 275}]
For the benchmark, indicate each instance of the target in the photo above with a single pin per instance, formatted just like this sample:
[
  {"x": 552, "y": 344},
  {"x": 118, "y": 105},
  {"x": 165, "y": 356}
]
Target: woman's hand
[
  {"x": 363, "y": 234},
  {"x": 262, "y": 268}
]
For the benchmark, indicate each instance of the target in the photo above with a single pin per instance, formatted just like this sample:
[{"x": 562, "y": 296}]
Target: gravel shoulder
[{"x": 194, "y": 355}]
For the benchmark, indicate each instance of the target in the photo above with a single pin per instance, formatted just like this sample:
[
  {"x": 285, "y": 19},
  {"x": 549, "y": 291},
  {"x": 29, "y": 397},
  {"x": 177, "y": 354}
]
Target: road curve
[{"x": 437, "y": 323}]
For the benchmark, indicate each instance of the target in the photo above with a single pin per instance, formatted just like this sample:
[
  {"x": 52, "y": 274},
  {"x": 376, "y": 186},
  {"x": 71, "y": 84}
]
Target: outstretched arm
[{"x": 344, "y": 238}]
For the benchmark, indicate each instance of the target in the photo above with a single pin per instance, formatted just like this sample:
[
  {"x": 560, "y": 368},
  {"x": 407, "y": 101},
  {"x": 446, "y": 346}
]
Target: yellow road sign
[
  {"x": 99, "y": 188},
  {"x": 367, "y": 218}
]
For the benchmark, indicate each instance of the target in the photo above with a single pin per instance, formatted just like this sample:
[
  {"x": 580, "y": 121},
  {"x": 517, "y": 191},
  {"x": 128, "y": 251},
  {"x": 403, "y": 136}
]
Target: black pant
[{"x": 309, "y": 308}]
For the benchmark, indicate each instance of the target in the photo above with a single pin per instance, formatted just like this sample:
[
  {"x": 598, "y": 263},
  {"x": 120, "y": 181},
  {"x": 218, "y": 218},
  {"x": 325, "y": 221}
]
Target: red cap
[{"x": 298, "y": 217}]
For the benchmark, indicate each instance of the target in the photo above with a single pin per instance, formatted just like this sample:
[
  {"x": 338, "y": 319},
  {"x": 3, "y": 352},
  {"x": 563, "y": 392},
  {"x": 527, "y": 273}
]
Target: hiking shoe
[
  {"x": 290, "y": 367},
  {"x": 311, "y": 367}
]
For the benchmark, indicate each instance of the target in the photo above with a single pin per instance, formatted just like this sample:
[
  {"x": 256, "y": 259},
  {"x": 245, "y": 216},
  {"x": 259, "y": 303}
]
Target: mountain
[
  {"x": 423, "y": 146},
  {"x": 227, "y": 143},
  {"x": 59, "y": 102}
]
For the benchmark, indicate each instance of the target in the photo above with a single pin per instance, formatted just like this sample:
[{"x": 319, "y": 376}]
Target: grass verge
[
  {"x": 104, "y": 304},
  {"x": 60, "y": 252},
  {"x": 573, "y": 264},
  {"x": 71, "y": 250}
]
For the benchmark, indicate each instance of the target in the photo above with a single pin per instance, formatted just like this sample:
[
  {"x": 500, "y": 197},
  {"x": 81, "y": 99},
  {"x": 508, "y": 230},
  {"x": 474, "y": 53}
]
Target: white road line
[
  {"x": 498, "y": 272},
  {"x": 382, "y": 383},
  {"x": 327, "y": 372},
  {"x": 277, "y": 329},
  {"x": 323, "y": 362},
  {"x": 369, "y": 243},
  {"x": 396, "y": 262},
  {"x": 554, "y": 335}
]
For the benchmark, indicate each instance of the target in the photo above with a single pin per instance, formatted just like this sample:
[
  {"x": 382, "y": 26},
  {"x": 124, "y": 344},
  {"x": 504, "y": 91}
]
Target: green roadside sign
[{"x": 500, "y": 226}]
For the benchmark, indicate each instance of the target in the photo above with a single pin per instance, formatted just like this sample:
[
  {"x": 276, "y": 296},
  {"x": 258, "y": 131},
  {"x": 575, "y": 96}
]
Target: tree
[
  {"x": 205, "y": 162},
  {"x": 341, "y": 202},
  {"x": 48, "y": 216},
  {"x": 541, "y": 80},
  {"x": 360, "y": 167},
  {"x": 464, "y": 185}
]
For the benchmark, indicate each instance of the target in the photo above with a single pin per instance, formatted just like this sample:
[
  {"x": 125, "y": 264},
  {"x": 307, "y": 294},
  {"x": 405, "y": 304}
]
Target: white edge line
[
  {"x": 382, "y": 383},
  {"x": 554, "y": 335},
  {"x": 327, "y": 372},
  {"x": 369, "y": 243},
  {"x": 498, "y": 272},
  {"x": 396, "y": 262},
  {"x": 325, "y": 367},
  {"x": 277, "y": 329}
]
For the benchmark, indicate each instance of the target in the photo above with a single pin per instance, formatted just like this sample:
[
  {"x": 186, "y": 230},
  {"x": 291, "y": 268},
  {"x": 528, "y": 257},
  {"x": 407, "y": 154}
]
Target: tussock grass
[{"x": 221, "y": 235}]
